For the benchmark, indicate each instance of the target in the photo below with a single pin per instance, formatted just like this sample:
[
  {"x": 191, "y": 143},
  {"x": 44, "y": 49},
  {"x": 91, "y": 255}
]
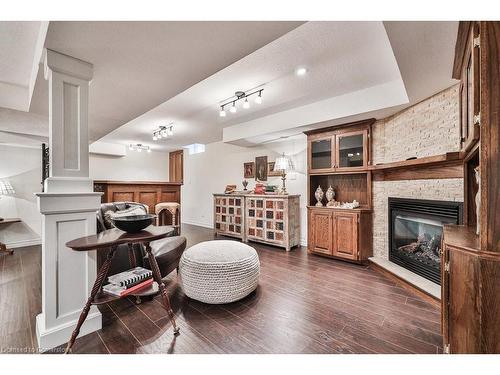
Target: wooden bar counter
[{"x": 149, "y": 193}]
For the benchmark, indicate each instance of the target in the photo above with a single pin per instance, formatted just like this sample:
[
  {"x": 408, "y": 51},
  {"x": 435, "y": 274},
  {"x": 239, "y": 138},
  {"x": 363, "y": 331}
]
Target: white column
[{"x": 68, "y": 205}]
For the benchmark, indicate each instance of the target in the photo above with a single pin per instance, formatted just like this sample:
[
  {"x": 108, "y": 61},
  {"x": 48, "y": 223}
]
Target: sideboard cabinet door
[
  {"x": 320, "y": 229},
  {"x": 345, "y": 235}
]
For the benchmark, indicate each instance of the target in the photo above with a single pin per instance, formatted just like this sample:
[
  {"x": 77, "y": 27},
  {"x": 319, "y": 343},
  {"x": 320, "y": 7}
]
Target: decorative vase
[
  {"x": 245, "y": 184},
  {"x": 330, "y": 195},
  {"x": 478, "y": 200},
  {"x": 319, "y": 196}
]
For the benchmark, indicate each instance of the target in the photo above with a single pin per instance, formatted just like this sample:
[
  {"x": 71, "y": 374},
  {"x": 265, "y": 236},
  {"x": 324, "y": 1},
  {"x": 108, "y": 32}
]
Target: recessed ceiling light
[{"x": 301, "y": 71}]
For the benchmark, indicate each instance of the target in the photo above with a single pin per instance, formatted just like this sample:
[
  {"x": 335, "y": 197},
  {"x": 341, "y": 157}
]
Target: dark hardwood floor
[{"x": 304, "y": 304}]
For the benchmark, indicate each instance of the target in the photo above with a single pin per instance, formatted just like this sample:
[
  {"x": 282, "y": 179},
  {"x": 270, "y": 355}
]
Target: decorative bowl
[{"x": 133, "y": 224}]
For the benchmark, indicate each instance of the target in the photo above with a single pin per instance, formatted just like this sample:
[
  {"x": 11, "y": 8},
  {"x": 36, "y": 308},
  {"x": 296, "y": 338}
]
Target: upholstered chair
[{"x": 167, "y": 251}]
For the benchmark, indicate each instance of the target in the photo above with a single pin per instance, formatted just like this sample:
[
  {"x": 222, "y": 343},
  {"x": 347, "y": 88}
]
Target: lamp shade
[
  {"x": 283, "y": 163},
  {"x": 6, "y": 188}
]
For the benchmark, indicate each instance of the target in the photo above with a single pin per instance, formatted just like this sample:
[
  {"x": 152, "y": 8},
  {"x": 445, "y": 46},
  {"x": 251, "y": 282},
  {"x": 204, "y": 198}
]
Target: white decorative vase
[
  {"x": 319, "y": 196},
  {"x": 330, "y": 195}
]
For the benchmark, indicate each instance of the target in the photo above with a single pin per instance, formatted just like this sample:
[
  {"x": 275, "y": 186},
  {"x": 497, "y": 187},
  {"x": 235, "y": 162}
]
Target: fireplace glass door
[{"x": 416, "y": 231}]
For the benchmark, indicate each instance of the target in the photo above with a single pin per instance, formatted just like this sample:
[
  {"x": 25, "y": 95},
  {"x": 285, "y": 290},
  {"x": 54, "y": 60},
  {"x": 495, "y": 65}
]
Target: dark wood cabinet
[
  {"x": 176, "y": 166},
  {"x": 470, "y": 275},
  {"x": 470, "y": 294}
]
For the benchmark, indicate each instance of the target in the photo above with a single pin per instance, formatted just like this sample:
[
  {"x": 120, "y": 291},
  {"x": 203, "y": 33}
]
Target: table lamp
[
  {"x": 5, "y": 189},
  {"x": 283, "y": 164}
]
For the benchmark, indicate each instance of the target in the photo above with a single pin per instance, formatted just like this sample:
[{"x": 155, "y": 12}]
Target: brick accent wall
[{"x": 430, "y": 127}]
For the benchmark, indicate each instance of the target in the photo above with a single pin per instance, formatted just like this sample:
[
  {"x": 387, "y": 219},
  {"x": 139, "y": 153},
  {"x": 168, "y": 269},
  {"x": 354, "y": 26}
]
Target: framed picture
[
  {"x": 261, "y": 168},
  {"x": 249, "y": 170},
  {"x": 270, "y": 170}
]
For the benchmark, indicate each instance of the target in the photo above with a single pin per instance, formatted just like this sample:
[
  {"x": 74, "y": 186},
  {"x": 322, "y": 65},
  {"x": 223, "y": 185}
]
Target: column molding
[
  {"x": 68, "y": 205},
  {"x": 69, "y": 80}
]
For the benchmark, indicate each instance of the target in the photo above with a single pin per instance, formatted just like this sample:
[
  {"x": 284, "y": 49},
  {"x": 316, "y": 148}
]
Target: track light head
[
  {"x": 246, "y": 104},
  {"x": 233, "y": 108},
  {"x": 258, "y": 99}
]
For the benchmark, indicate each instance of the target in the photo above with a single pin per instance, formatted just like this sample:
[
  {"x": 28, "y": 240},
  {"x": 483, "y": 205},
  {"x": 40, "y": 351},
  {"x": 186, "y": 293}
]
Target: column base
[{"x": 49, "y": 338}]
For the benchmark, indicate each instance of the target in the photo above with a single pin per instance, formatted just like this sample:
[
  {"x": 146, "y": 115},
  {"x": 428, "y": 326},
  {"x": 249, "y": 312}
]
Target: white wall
[
  {"x": 23, "y": 168},
  {"x": 222, "y": 164},
  {"x": 135, "y": 166}
]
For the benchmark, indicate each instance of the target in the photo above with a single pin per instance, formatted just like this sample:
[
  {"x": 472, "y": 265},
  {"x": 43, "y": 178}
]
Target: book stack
[{"x": 128, "y": 282}]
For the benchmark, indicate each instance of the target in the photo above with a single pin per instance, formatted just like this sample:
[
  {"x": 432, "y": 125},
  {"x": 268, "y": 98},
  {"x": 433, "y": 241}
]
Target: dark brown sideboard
[{"x": 146, "y": 192}]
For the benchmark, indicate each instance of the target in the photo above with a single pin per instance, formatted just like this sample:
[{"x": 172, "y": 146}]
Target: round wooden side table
[{"x": 109, "y": 240}]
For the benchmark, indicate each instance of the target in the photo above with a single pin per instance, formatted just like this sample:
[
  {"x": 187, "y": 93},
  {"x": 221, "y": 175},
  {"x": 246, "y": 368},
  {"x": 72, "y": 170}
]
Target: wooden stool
[{"x": 174, "y": 209}]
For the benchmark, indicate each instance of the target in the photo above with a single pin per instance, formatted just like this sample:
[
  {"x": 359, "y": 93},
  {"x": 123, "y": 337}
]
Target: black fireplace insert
[{"x": 415, "y": 233}]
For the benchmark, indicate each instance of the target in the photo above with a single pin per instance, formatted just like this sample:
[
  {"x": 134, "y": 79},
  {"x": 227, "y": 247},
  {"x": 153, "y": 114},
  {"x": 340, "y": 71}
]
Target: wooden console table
[
  {"x": 109, "y": 240},
  {"x": 3, "y": 247}
]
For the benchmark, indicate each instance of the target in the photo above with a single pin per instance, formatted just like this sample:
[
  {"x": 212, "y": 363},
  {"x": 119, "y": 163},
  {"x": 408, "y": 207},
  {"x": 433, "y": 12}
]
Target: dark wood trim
[
  {"x": 406, "y": 285},
  {"x": 110, "y": 182},
  {"x": 428, "y": 160},
  {"x": 176, "y": 166},
  {"x": 460, "y": 50},
  {"x": 452, "y": 169},
  {"x": 447, "y": 165},
  {"x": 326, "y": 129},
  {"x": 490, "y": 136}
]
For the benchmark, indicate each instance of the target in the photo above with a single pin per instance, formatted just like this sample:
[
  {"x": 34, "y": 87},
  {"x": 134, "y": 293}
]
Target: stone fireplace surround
[{"x": 428, "y": 128}]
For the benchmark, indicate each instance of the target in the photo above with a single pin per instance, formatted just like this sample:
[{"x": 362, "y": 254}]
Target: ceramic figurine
[
  {"x": 330, "y": 195},
  {"x": 245, "y": 184},
  {"x": 351, "y": 205},
  {"x": 319, "y": 196},
  {"x": 478, "y": 200}
]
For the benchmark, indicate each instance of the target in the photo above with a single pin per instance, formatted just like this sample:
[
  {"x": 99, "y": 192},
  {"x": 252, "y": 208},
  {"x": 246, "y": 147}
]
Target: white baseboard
[
  {"x": 55, "y": 336},
  {"x": 24, "y": 243},
  {"x": 198, "y": 223}
]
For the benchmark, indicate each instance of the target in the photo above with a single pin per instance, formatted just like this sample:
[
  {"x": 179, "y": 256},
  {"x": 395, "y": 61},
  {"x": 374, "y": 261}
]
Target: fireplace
[{"x": 415, "y": 233}]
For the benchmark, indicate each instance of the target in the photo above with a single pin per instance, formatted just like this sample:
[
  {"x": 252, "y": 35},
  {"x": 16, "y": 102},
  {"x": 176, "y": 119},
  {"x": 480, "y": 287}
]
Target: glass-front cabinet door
[
  {"x": 352, "y": 150},
  {"x": 470, "y": 93},
  {"x": 321, "y": 154}
]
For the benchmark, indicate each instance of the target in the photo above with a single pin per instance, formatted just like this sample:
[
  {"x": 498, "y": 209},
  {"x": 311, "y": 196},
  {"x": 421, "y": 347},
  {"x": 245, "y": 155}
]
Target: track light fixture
[
  {"x": 240, "y": 95},
  {"x": 139, "y": 147},
  {"x": 163, "y": 132}
]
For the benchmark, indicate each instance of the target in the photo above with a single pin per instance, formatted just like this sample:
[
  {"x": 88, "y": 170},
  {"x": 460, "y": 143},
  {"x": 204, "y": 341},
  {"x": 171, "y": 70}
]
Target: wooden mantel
[
  {"x": 447, "y": 165},
  {"x": 146, "y": 192}
]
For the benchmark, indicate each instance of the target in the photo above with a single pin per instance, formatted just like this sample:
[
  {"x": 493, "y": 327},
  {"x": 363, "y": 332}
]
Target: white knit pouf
[{"x": 219, "y": 271}]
